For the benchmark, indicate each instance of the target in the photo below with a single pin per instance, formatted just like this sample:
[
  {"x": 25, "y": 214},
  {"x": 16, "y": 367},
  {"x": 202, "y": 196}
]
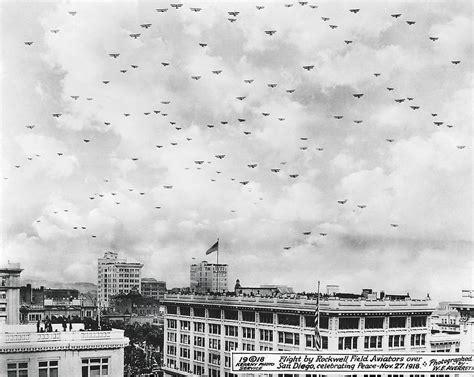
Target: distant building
[
  {"x": 466, "y": 321},
  {"x": 136, "y": 304},
  {"x": 201, "y": 331},
  {"x": 208, "y": 277},
  {"x": 153, "y": 288},
  {"x": 332, "y": 289},
  {"x": 445, "y": 321},
  {"x": 263, "y": 290},
  {"x": 116, "y": 276},
  {"x": 10, "y": 293},
  {"x": 40, "y": 303}
]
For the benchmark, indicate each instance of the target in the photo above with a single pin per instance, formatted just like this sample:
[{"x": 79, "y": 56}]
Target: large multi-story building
[
  {"x": 201, "y": 331},
  {"x": 24, "y": 351},
  {"x": 153, "y": 288},
  {"x": 116, "y": 276},
  {"x": 208, "y": 277}
]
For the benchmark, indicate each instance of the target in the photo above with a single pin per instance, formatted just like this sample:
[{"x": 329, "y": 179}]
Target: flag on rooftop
[{"x": 213, "y": 248}]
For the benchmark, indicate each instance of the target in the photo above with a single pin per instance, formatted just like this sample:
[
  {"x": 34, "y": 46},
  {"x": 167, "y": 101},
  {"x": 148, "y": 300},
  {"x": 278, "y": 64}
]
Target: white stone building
[
  {"x": 116, "y": 276},
  {"x": 25, "y": 352},
  {"x": 208, "y": 277},
  {"x": 201, "y": 331}
]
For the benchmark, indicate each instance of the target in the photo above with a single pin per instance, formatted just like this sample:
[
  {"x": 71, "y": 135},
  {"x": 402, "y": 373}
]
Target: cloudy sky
[{"x": 405, "y": 224}]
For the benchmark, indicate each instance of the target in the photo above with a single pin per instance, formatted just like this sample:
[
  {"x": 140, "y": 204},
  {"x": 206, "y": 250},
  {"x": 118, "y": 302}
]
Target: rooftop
[
  {"x": 20, "y": 338},
  {"x": 303, "y": 303}
]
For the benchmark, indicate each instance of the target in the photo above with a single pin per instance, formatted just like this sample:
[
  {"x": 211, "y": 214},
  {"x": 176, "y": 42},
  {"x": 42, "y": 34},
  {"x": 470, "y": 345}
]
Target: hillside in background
[{"x": 82, "y": 287}]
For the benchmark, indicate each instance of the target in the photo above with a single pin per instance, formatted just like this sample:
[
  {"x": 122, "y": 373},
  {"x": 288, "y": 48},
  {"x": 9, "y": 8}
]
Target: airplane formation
[{"x": 391, "y": 93}]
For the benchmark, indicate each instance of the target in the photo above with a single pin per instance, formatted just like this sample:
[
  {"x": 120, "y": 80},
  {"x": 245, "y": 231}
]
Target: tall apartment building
[
  {"x": 208, "y": 277},
  {"x": 116, "y": 276},
  {"x": 153, "y": 288},
  {"x": 201, "y": 331}
]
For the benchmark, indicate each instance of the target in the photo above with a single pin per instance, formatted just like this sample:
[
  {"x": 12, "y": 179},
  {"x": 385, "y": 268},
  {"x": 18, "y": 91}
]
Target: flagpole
[
  {"x": 318, "y": 302},
  {"x": 317, "y": 335},
  {"x": 217, "y": 265}
]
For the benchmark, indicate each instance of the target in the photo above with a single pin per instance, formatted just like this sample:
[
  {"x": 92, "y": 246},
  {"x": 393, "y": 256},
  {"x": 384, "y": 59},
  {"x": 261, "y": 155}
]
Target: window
[
  {"x": 373, "y": 342},
  {"x": 323, "y": 321},
  {"x": 199, "y": 356},
  {"x": 397, "y": 322},
  {"x": 199, "y": 341},
  {"x": 231, "y": 314},
  {"x": 214, "y": 313},
  {"x": 266, "y": 348},
  {"x": 214, "y": 358},
  {"x": 396, "y": 341},
  {"x": 215, "y": 344},
  {"x": 185, "y": 325},
  {"x": 230, "y": 345},
  {"x": 184, "y": 352},
  {"x": 248, "y": 332},
  {"x": 198, "y": 369},
  {"x": 227, "y": 362},
  {"x": 184, "y": 310},
  {"x": 231, "y": 330},
  {"x": 347, "y": 343},
  {"x": 418, "y": 321},
  {"x": 418, "y": 339},
  {"x": 95, "y": 367},
  {"x": 172, "y": 309},
  {"x": 346, "y": 323},
  {"x": 266, "y": 317},
  {"x": 214, "y": 329},
  {"x": 214, "y": 372},
  {"x": 171, "y": 337},
  {"x": 17, "y": 369},
  {"x": 248, "y": 316},
  {"x": 199, "y": 327},
  {"x": 288, "y": 338},
  {"x": 288, "y": 319},
  {"x": 374, "y": 322},
  {"x": 266, "y": 335},
  {"x": 310, "y": 342},
  {"x": 199, "y": 312},
  {"x": 184, "y": 366},
  {"x": 248, "y": 346},
  {"x": 172, "y": 324},
  {"x": 171, "y": 350},
  {"x": 185, "y": 339}
]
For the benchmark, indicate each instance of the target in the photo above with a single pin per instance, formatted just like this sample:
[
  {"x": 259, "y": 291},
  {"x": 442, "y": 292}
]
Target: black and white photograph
[{"x": 182, "y": 182}]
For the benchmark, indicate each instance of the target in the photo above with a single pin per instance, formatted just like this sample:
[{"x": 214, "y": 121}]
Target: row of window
[
  {"x": 344, "y": 343},
  {"x": 375, "y": 342},
  {"x": 93, "y": 367},
  {"x": 344, "y": 323},
  {"x": 199, "y": 369}
]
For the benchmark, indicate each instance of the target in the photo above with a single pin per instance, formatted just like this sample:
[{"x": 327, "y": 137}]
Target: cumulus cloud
[{"x": 124, "y": 142}]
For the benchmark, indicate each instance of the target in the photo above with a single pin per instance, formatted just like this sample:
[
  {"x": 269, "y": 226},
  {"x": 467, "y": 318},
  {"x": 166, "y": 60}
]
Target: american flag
[{"x": 317, "y": 334}]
